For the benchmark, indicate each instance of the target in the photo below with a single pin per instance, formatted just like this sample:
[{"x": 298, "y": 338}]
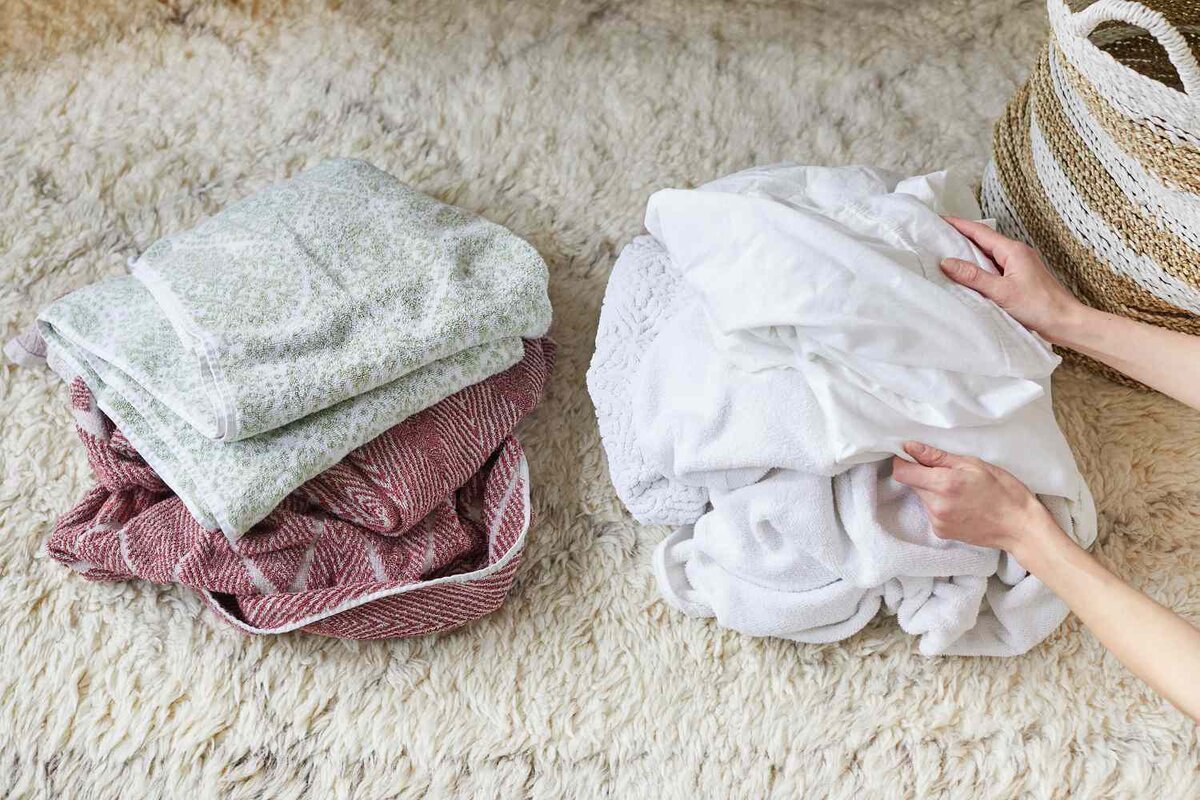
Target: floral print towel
[{"x": 247, "y": 355}]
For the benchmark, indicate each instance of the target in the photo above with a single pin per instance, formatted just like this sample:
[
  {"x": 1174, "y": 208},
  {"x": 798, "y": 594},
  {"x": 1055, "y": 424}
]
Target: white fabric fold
[{"x": 813, "y": 334}]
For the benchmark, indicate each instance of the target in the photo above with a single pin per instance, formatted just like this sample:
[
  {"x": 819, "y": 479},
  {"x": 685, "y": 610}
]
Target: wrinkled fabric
[
  {"x": 833, "y": 273},
  {"x": 419, "y": 530},
  {"x": 807, "y": 558},
  {"x": 813, "y": 334},
  {"x": 248, "y": 354}
]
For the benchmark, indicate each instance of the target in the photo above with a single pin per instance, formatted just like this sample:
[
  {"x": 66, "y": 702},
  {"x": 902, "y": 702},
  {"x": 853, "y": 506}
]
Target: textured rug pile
[{"x": 127, "y": 120}]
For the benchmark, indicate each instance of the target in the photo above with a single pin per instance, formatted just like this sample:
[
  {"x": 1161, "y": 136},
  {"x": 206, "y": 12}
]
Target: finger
[
  {"x": 930, "y": 456},
  {"x": 995, "y": 245},
  {"x": 927, "y": 499},
  {"x": 972, "y": 276},
  {"x": 917, "y": 476}
]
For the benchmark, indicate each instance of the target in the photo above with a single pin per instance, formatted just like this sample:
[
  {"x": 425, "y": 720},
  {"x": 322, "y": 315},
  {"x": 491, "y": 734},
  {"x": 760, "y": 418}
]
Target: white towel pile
[{"x": 763, "y": 354}]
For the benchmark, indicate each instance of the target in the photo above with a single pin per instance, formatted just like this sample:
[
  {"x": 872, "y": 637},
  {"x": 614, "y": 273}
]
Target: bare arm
[
  {"x": 1153, "y": 642},
  {"x": 973, "y": 501},
  {"x": 1163, "y": 359},
  {"x": 976, "y": 502}
]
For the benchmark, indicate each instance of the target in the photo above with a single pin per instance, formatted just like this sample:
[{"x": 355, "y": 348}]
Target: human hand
[
  {"x": 1024, "y": 288},
  {"x": 972, "y": 501}
]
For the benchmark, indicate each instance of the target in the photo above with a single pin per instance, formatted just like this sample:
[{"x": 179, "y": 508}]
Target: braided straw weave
[{"x": 1096, "y": 160}]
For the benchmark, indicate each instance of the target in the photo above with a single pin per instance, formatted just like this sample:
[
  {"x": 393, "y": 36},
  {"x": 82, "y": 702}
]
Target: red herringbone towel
[{"x": 417, "y": 531}]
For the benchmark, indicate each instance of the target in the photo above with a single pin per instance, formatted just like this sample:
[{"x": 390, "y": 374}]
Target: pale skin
[{"x": 972, "y": 501}]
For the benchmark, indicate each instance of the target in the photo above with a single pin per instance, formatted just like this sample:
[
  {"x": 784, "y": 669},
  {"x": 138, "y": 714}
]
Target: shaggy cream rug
[{"x": 121, "y": 121}]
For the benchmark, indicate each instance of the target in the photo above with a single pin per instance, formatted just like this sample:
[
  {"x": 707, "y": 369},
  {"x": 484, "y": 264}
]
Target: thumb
[
  {"x": 972, "y": 276},
  {"x": 930, "y": 456}
]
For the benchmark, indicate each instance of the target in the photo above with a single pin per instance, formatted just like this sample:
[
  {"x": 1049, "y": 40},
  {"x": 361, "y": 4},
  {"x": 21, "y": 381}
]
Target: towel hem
[{"x": 521, "y": 475}]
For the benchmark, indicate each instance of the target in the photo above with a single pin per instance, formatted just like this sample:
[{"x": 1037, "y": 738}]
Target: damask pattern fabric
[
  {"x": 327, "y": 286},
  {"x": 419, "y": 530},
  {"x": 245, "y": 356}
]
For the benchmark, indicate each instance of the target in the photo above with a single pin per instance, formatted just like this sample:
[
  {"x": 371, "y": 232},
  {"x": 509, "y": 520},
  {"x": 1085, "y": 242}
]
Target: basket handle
[{"x": 1082, "y": 23}]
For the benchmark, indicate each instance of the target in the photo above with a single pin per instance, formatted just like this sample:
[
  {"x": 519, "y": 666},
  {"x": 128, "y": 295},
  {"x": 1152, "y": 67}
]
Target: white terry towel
[
  {"x": 643, "y": 294},
  {"x": 812, "y": 559},
  {"x": 816, "y": 335}
]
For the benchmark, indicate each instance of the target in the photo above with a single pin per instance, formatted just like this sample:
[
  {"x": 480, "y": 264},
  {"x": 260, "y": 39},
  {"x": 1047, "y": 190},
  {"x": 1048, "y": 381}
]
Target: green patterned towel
[{"x": 249, "y": 354}]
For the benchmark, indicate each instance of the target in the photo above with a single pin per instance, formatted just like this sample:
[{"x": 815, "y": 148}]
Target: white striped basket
[{"x": 1096, "y": 161}]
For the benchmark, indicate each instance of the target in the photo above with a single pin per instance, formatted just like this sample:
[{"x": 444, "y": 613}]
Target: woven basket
[{"x": 1096, "y": 160}]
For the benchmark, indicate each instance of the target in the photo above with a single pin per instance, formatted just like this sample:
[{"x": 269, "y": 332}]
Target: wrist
[
  {"x": 1037, "y": 539},
  {"x": 1072, "y": 325}
]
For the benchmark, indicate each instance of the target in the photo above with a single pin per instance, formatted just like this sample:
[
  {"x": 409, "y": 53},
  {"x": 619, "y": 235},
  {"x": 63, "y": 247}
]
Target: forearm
[
  {"x": 1162, "y": 359},
  {"x": 1157, "y": 645}
]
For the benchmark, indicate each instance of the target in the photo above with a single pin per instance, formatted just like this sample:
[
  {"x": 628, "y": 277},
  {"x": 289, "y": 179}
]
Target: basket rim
[{"x": 1138, "y": 96}]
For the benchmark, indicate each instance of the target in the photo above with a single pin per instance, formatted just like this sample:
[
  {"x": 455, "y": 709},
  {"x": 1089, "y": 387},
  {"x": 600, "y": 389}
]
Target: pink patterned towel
[{"x": 419, "y": 530}]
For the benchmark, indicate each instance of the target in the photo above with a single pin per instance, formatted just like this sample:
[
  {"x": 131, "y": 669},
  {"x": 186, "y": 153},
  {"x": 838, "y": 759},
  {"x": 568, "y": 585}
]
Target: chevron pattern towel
[{"x": 417, "y": 531}]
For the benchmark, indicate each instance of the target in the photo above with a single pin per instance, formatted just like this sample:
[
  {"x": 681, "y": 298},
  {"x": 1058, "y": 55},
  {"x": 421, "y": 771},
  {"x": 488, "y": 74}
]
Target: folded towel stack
[
  {"x": 762, "y": 355},
  {"x": 304, "y": 408}
]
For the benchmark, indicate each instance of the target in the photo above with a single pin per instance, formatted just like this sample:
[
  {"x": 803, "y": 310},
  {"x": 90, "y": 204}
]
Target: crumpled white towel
[
  {"x": 802, "y": 557},
  {"x": 816, "y": 334}
]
